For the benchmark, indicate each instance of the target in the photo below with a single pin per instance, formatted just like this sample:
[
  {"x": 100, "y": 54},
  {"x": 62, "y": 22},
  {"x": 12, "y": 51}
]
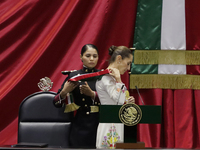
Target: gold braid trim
[
  {"x": 162, "y": 81},
  {"x": 192, "y": 57},
  {"x": 71, "y": 107},
  {"x": 175, "y": 57}
]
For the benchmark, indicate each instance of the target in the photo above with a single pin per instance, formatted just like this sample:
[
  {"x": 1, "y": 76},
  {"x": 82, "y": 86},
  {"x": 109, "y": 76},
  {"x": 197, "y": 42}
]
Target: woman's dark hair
[
  {"x": 124, "y": 51},
  {"x": 85, "y": 48}
]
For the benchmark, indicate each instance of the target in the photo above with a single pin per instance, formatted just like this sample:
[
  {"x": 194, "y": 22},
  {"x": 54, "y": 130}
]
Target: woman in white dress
[{"x": 112, "y": 91}]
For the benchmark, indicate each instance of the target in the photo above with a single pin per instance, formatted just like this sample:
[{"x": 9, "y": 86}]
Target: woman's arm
[{"x": 61, "y": 98}]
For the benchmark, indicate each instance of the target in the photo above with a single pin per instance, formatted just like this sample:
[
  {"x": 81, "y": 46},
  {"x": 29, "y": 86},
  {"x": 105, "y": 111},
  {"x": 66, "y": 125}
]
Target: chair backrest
[{"x": 41, "y": 122}]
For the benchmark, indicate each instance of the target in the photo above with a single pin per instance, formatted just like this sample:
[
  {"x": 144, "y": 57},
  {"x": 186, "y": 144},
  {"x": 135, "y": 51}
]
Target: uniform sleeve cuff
[{"x": 58, "y": 101}]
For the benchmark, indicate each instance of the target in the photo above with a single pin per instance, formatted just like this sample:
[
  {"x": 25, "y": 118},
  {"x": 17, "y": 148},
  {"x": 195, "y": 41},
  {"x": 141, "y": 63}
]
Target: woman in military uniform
[{"x": 86, "y": 119}]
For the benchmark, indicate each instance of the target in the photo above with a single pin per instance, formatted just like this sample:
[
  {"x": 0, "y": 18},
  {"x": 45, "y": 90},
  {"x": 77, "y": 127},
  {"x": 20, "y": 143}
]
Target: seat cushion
[{"x": 54, "y": 134}]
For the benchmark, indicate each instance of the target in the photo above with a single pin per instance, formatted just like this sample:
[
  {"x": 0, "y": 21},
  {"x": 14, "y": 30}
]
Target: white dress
[{"x": 110, "y": 93}]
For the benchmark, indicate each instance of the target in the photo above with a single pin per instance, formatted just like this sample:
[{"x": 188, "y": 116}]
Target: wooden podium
[{"x": 151, "y": 114}]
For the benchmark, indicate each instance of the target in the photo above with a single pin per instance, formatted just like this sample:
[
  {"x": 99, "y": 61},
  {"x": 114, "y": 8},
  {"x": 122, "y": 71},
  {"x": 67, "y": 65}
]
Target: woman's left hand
[
  {"x": 115, "y": 73},
  {"x": 131, "y": 99},
  {"x": 85, "y": 89}
]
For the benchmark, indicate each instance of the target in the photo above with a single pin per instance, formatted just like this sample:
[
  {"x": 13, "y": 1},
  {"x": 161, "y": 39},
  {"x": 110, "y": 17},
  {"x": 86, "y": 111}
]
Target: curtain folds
[
  {"x": 180, "y": 118},
  {"x": 43, "y": 38}
]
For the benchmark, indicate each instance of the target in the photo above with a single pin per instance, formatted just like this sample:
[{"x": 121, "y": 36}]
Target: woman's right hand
[
  {"x": 131, "y": 99},
  {"x": 68, "y": 87},
  {"x": 115, "y": 73}
]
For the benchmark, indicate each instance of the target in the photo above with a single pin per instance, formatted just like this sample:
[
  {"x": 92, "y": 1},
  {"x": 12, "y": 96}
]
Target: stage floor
[
  {"x": 47, "y": 148},
  {"x": 9, "y": 147}
]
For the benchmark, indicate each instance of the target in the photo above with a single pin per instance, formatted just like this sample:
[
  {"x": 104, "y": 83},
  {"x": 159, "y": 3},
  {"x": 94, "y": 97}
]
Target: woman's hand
[
  {"x": 131, "y": 99},
  {"x": 115, "y": 73},
  {"x": 85, "y": 89},
  {"x": 68, "y": 87}
]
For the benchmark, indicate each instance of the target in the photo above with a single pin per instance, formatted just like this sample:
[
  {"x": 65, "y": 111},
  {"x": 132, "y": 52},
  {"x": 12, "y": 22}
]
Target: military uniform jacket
[{"x": 85, "y": 123}]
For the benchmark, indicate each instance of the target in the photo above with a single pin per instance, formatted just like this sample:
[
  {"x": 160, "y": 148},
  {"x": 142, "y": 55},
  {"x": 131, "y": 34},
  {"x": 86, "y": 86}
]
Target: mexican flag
[{"x": 167, "y": 43}]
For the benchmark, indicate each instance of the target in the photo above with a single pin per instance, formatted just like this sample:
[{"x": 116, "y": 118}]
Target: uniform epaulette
[{"x": 67, "y": 72}]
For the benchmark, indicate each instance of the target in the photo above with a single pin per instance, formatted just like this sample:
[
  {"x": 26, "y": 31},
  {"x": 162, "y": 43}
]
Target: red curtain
[
  {"x": 40, "y": 38},
  {"x": 180, "y": 118}
]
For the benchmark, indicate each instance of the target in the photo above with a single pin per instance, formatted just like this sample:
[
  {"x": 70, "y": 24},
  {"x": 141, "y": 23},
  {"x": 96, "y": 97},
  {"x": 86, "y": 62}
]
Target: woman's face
[
  {"x": 90, "y": 58},
  {"x": 125, "y": 64}
]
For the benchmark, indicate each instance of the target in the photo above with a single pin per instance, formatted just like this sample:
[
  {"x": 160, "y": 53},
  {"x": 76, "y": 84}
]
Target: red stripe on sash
[{"x": 89, "y": 75}]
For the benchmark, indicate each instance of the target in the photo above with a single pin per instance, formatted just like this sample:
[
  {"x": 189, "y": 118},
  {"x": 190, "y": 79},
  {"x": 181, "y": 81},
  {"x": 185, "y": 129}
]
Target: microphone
[
  {"x": 139, "y": 95},
  {"x": 120, "y": 94}
]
